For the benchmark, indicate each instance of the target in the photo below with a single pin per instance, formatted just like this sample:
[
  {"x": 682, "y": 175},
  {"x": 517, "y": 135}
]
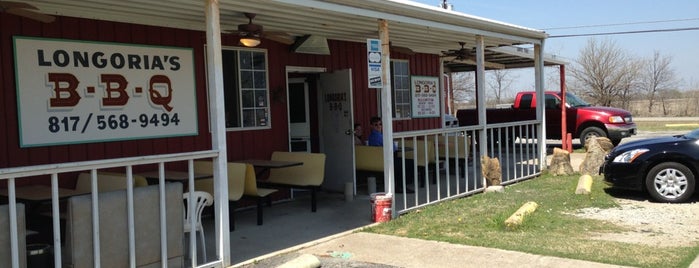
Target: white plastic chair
[{"x": 202, "y": 199}]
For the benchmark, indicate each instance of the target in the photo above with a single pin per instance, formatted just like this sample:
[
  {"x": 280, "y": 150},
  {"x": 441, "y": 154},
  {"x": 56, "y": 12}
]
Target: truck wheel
[{"x": 591, "y": 132}]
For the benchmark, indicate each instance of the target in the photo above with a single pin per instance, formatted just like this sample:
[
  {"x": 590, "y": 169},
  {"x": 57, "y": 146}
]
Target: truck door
[{"x": 552, "y": 105}]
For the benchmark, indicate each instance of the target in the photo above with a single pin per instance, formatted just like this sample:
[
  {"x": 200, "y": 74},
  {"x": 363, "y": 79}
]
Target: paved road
[{"x": 652, "y": 134}]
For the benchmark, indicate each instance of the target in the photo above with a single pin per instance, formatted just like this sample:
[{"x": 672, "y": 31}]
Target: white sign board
[
  {"x": 373, "y": 47},
  {"x": 72, "y": 91},
  {"x": 425, "y": 95}
]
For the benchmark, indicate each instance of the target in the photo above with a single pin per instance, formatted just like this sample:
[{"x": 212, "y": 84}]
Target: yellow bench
[
  {"x": 236, "y": 183},
  {"x": 368, "y": 158},
  {"x": 241, "y": 182},
  {"x": 309, "y": 175}
]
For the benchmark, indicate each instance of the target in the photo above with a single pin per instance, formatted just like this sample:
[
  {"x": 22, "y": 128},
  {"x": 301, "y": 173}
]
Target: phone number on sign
[{"x": 112, "y": 121}]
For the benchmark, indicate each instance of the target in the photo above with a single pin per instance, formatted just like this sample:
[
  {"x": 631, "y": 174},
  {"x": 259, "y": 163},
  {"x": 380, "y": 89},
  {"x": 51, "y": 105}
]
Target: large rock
[
  {"x": 560, "y": 163},
  {"x": 603, "y": 142},
  {"x": 597, "y": 148},
  {"x": 490, "y": 169}
]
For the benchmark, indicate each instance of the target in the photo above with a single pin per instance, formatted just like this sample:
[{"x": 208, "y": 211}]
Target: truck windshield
[{"x": 574, "y": 101}]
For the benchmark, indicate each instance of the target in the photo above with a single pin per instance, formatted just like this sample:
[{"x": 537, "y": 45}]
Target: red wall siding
[{"x": 240, "y": 144}]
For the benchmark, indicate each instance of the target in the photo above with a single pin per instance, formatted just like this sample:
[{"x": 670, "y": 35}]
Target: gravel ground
[{"x": 651, "y": 223}]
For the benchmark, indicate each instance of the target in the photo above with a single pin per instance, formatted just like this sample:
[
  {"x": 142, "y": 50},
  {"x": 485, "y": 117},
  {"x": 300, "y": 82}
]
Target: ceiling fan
[
  {"x": 25, "y": 10},
  {"x": 458, "y": 54},
  {"x": 250, "y": 33},
  {"x": 463, "y": 55}
]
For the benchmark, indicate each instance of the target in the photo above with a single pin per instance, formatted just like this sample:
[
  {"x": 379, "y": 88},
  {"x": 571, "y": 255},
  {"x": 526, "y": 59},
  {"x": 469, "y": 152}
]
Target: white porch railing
[
  {"x": 443, "y": 164},
  {"x": 12, "y": 175}
]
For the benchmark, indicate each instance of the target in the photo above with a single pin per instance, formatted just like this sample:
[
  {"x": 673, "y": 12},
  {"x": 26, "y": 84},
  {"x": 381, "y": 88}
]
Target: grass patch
[
  {"x": 479, "y": 221},
  {"x": 665, "y": 125}
]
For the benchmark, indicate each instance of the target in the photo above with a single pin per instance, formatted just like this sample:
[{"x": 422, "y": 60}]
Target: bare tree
[
  {"x": 500, "y": 81},
  {"x": 464, "y": 88},
  {"x": 629, "y": 84},
  {"x": 604, "y": 72},
  {"x": 657, "y": 77}
]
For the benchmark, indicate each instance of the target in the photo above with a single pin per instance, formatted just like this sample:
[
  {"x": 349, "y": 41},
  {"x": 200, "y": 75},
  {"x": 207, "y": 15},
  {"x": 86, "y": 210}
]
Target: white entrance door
[{"x": 335, "y": 106}]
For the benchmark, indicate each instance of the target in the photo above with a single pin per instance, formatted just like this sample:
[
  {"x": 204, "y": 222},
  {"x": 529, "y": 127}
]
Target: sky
[{"x": 564, "y": 17}]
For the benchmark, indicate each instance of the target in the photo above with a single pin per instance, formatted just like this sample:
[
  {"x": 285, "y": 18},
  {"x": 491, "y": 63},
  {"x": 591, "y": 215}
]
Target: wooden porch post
[
  {"x": 480, "y": 98},
  {"x": 386, "y": 116},
  {"x": 218, "y": 128},
  {"x": 540, "y": 114}
]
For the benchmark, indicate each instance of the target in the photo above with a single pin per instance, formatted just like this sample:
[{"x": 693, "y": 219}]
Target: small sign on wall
[
  {"x": 373, "y": 47},
  {"x": 73, "y": 91},
  {"x": 425, "y": 96}
]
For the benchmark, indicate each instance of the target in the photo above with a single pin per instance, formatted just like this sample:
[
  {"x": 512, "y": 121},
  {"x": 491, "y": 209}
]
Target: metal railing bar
[
  {"x": 130, "y": 216},
  {"x": 95, "y": 219},
  {"x": 163, "y": 215},
  {"x": 14, "y": 240},
  {"x": 46, "y": 169},
  {"x": 55, "y": 217}
]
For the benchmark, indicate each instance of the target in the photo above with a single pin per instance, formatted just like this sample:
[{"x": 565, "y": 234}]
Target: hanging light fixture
[
  {"x": 250, "y": 41},
  {"x": 250, "y": 33}
]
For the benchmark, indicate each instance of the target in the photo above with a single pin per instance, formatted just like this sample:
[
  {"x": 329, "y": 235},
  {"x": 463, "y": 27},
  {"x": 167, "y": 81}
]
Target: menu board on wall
[
  {"x": 73, "y": 91},
  {"x": 425, "y": 96}
]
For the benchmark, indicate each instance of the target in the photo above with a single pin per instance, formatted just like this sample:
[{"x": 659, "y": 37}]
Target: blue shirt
[{"x": 375, "y": 138}]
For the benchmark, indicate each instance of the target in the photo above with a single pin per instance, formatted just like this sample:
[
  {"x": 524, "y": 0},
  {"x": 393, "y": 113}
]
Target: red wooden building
[{"x": 105, "y": 79}]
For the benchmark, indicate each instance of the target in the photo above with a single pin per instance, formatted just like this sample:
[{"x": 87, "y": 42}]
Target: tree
[
  {"x": 657, "y": 77},
  {"x": 464, "y": 87},
  {"x": 500, "y": 82},
  {"x": 604, "y": 72}
]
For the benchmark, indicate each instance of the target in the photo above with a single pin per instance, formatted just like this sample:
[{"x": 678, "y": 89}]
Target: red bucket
[{"x": 380, "y": 207}]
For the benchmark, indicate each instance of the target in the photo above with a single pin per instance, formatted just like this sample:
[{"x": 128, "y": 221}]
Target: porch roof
[{"x": 421, "y": 28}]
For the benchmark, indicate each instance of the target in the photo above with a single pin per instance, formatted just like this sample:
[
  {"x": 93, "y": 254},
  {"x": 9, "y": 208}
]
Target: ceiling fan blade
[
  {"x": 4, "y": 5},
  {"x": 403, "y": 50},
  {"x": 488, "y": 64},
  {"x": 280, "y": 37},
  {"x": 31, "y": 14}
]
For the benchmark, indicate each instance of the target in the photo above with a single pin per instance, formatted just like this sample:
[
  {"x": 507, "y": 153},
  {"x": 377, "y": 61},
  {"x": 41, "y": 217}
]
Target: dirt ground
[{"x": 651, "y": 223}]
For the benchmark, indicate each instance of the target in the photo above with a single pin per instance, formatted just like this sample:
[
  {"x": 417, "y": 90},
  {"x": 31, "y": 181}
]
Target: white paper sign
[
  {"x": 425, "y": 95},
  {"x": 72, "y": 91}
]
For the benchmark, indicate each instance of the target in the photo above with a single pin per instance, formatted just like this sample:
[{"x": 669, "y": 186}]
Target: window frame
[
  {"x": 406, "y": 89},
  {"x": 239, "y": 90}
]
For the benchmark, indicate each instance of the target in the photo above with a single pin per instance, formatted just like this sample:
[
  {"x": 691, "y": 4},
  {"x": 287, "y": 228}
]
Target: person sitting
[
  {"x": 358, "y": 134},
  {"x": 376, "y": 139}
]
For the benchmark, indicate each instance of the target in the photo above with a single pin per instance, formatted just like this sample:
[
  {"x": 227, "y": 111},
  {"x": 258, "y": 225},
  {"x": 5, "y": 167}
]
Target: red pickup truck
[{"x": 583, "y": 119}]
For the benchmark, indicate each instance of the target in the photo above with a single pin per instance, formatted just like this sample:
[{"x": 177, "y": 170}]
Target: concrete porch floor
[{"x": 290, "y": 223}]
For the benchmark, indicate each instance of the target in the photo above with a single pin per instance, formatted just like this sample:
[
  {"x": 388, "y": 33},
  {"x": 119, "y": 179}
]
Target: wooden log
[
  {"x": 517, "y": 218},
  {"x": 584, "y": 185}
]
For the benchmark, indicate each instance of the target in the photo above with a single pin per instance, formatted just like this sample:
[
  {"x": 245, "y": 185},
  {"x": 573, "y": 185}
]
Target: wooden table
[
  {"x": 40, "y": 193},
  {"x": 172, "y": 175},
  {"x": 266, "y": 165}
]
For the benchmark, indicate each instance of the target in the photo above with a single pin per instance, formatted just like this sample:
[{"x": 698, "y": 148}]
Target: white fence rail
[
  {"x": 14, "y": 175},
  {"x": 442, "y": 164}
]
